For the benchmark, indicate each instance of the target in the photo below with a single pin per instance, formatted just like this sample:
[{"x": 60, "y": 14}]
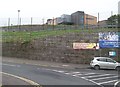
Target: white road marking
[
  {"x": 107, "y": 82},
  {"x": 115, "y": 85},
  {"x": 85, "y": 77},
  {"x": 55, "y": 70},
  {"x": 61, "y": 71},
  {"x": 96, "y": 76},
  {"x": 75, "y": 72},
  {"x": 21, "y": 78},
  {"x": 11, "y": 65},
  {"x": 54, "y": 66},
  {"x": 65, "y": 65},
  {"x": 89, "y": 73},
  {"x": 71, "y": 73},
  {"x": 67, "y": 73},
  {"x": 92, "y": 81},
  {"x": 105, "y": 78},
  {"x": 76, "y": 75},
  {"x": 8, "y": 64},
  {"x": 83, "y": 74}
]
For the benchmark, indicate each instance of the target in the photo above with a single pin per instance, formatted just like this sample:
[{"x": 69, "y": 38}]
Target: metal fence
[{"x": 13, "y": 24}]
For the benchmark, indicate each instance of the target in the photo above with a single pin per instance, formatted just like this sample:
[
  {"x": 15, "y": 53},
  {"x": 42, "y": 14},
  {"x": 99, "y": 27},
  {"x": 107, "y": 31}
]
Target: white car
[{"x": 104, "y": 63}]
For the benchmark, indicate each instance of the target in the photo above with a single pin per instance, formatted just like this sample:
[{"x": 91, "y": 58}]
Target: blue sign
[{"x": 109, "y": 39}]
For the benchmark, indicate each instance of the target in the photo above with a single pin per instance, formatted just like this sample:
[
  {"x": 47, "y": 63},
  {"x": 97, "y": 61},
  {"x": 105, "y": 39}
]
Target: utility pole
[
  {"x": 20, "y": 24},
  {"x": 43, "y": 23},
  {"x": 98, "y": 20},
  {"x": 64, "y": 21},
  {"x": 87, "y": 20},
  {"x": 8, "y": 23},
  {"x": 18, "y": 18},
  {"x": 112, "y": 20},
  {"x": 31, "y": 22}
]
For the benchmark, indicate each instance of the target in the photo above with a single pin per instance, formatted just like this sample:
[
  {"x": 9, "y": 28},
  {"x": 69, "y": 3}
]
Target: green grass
[
  {"x": 23, "y": 36},
  {"x": 27, "y": 36}
]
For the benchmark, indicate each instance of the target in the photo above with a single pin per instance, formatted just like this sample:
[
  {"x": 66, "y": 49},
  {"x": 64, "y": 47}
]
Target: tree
[{"x": 114, "y": 21}]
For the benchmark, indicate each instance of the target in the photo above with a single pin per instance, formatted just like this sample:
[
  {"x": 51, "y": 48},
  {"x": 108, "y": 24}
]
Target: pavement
[{"x": 45, "y": 63}]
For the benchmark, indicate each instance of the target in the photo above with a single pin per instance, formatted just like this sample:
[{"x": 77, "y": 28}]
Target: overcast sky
[{"x": 55, "y": 8}]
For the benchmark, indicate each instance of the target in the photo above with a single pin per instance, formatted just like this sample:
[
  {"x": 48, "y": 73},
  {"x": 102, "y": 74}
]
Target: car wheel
[
  {"x": 96, "y": 67},
  {"x": 118, "y": 68}
]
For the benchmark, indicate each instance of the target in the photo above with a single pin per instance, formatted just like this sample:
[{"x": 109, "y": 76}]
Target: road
[
  {"x": 57, "y": 76},
  {"x": 10, "y": 80}
]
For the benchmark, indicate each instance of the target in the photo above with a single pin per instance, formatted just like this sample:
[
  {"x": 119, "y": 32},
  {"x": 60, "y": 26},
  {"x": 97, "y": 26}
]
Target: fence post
[
  {"x": 53, "y": 23},
  {"x": 31, "y": 23},
  {"x": 8, "y": 23},
  {"x": 20, "y": 24},
  {"x": 43, "y": 23}
]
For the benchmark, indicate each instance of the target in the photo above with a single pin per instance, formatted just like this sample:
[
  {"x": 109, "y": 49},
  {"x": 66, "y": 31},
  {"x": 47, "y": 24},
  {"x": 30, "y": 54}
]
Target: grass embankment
[{"x": 23, "y": 36}]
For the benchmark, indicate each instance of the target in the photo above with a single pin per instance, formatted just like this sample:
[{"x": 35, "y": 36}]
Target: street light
[
  {"x": 98, "y": 20},
  {"x": 43, "y": 23},
  {"x": 18, "y": 17}
]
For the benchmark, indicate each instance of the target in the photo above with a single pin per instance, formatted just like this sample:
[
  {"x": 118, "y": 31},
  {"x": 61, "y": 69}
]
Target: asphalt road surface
[
  {"x": 57, "y": 76},
  {"x": 10, "y": 80}
]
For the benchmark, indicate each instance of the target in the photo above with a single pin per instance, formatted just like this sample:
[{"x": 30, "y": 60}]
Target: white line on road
[
  {"x": 105, "y": 78},
  {"x": 75, "y": 72},
  {"x": 55, "y": 70},
  {"x": 11, "y": 65},
  {"x": 21, "y": 78},
  {"x": 72, "y": 73},
  {"x": 96, "y": 76},
  {"x": 65, "y": 65},
  {"x": 82, "y": 74},
  {"x": 107, "y": 82},
  {"x": 54, "y": 66},
  {"x": 89, "y": 74},
  {"x": 91, "y": 81},
  {"x": 115, "y": 85},
  {"x": 67, "y": 73},
  {"x": 77, "y": 75},
  {"x": 61, "y": 71}
]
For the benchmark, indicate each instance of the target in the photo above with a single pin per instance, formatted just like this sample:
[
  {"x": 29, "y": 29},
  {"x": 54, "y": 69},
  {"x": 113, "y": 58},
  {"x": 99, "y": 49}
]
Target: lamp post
[
  {"x": 8, "y": 23},
  {"x": 43, "y": 23},
  {"x": 18, "y": 17},
  {"x": 112, "y": 20}
]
